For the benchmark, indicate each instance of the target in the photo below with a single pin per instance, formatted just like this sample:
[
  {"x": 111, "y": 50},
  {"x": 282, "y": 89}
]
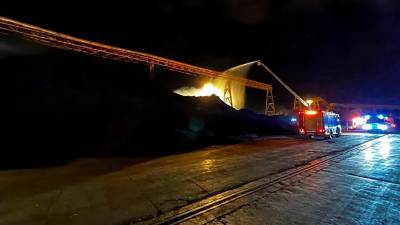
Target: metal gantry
[
  {"x": 269, "y": 104},
  {"x": 228, "y": 93},
  {"x": 70, "y": 43},
  {"x": 297, "y": 98}
]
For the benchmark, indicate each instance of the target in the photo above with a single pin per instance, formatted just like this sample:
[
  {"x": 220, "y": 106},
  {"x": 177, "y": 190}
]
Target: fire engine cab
[{"x": 319, "y": 123}]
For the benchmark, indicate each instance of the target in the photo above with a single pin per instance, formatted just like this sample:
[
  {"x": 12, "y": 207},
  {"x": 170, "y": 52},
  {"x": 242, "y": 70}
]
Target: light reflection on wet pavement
[
  {"x": 361, "y": 189},
  {"x": 96, "y": 191}
]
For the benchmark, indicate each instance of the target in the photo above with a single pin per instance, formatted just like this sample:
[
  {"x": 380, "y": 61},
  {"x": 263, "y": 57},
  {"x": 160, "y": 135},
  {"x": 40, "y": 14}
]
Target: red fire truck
[
  {"x": 312, "y": 120},
  {"x": 319, "y": 123}
]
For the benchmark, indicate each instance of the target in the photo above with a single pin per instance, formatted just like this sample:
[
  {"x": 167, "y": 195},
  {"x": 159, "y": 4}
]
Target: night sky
[{"x": 342, "y": 50}]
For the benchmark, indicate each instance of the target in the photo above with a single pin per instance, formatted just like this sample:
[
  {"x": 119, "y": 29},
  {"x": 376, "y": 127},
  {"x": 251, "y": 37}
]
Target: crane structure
[
  {"x": 297, "y": 99},
  {"x": 70, "y": 43}
]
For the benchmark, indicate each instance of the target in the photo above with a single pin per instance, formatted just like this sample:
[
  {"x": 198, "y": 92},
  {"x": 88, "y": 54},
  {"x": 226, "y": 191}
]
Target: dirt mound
[{"x": 59, "y": 110}]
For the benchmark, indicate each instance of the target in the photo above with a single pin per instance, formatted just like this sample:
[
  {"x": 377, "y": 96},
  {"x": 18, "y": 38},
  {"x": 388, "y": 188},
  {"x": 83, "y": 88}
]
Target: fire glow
[
  {"x": 216, "y": 88},
  {"x": 208, "y": 90}
]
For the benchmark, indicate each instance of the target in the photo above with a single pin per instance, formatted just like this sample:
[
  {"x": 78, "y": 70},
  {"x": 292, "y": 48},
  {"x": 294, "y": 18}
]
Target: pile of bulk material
[{"x": 61, "y": 108}]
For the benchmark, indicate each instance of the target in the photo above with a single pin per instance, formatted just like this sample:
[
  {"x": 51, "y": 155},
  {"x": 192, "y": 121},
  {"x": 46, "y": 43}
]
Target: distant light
[
  {"x": 382, "y": 126},
  {"x": 367, "y": 117},
  {"x": 293, "y": 120},
  {"x": 367, "y": 126},
  {"x": 380, "y": 116},
  {"x": 309, "y": 101},
  {"x": 311, "y": 112},
  {"x": 358, "y": 121}
]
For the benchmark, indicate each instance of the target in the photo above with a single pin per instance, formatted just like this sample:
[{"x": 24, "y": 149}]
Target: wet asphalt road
[{"x": 361, "y": 189}]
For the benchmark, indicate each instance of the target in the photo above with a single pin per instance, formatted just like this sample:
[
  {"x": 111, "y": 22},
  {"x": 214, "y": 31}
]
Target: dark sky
[{"x": 342, "y": 50}]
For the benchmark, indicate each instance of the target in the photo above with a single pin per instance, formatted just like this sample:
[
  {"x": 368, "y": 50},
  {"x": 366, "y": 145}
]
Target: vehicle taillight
[
  {"x": 311, "y": 112},
  {"x": 321, "y": 130}
]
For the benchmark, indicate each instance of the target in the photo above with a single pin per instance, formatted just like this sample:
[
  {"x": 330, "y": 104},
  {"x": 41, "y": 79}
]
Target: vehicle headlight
[{"x": 382, "y": 127}]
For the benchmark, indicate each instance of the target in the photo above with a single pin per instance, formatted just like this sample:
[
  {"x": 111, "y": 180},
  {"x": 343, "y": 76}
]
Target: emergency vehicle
[
  {"x": 315, "y": 117},
  {"x": 319, "y": 123},
  {"x": 374, "y": 122}
]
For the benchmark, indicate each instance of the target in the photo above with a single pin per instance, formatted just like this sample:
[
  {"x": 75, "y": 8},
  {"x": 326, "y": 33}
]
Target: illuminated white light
[
  {"x": 367, "y": 117},
  {"x": 358, "y": 121},
  {"x": 380, "y": 116},
  {"x": 309, "y": 101},
  {"x": 293, "y": 120},
  {"x": 382, "y": 127},
  {"x": 367, "y": 126}
]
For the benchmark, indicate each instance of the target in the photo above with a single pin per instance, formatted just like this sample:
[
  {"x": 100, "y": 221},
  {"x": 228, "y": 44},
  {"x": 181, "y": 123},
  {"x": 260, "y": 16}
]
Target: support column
[
  {"x": 228, "y": 94},
  {"x": 296, "y": 105},
  {"x": 269, "y": 106}
]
